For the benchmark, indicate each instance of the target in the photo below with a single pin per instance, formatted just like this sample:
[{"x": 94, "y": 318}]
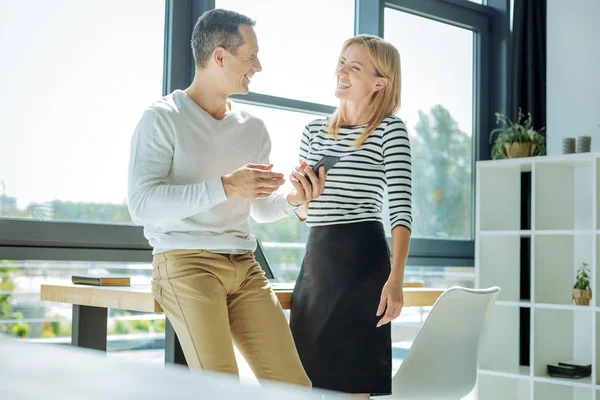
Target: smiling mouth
[
  {"x": 343, "y": 85},
  {"x": 249, "y": 77}
]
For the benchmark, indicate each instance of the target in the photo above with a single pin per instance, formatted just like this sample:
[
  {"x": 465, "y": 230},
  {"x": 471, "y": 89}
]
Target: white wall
[{"x": 573, "y": 72}]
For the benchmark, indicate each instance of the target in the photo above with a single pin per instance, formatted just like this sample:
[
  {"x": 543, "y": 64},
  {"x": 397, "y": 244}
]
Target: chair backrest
[
  {"x": 261, "y": 258},
  {"x": 442, "y": 361}
]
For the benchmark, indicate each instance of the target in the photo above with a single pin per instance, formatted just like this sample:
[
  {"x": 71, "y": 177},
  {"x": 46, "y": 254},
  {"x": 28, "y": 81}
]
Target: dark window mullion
[{"x": 284, "y": 103}]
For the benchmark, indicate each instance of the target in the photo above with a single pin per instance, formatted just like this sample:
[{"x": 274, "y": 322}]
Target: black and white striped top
[{"x": 355, "y": 186}]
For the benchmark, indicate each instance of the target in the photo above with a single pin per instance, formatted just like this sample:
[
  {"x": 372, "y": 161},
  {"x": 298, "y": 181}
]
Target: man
[{"x": 199, "y": 167}]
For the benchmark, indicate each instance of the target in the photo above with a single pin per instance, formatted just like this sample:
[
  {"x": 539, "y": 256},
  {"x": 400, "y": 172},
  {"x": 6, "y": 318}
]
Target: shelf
[
  {"x": 560, "y": 335},
  {"x": 584, "y": 382},
  {"x": 498, "y": 387},
  {"x": 500, "y": 351},
  {"x": 499, "y": 265},
  {"x": 595, "y": 278},
  {"x": 556, "y": 261},
  {"x": 506, "y": 233},
  {"x": 597, "y": 339},
  {"x": 524, "y": 372},
  {"x": 563, "y": 196},
  {"x": 572, "y": 307},
  {"x": 520, "y": 164},
  {"x": 597, "y": 206},
  {"x": 499, "y": 196},
  {"x": 541, "y": 232},
  {"x": 565, "y": 159},
  {"x": 555, "y": 389},
  {"x": 522, "y": 303},
  {"x": 538, "y": 220}
]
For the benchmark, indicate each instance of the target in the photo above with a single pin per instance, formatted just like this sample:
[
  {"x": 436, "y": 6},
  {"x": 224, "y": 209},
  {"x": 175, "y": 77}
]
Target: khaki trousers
[{"x": 213, "y": 299}]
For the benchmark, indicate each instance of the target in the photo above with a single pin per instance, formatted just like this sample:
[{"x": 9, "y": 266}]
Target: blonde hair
[{"x": 385, "y": 102}]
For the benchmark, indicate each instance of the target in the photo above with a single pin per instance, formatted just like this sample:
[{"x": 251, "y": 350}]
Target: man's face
[{"x": 239, "y": 68}]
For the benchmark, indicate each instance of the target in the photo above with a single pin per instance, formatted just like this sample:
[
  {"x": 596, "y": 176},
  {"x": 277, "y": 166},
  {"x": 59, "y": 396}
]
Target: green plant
[
  {"x": 56, "y": 328},
  {"x": 20, "y": 330},
  {"x": 516, "y": 132},
  {"x": 582, "y": 281},
  {"x": 6, "y": 310},
  {"x": 48, "y": 333},
  {"x": 141, "y": 325},
  {"x": 159, "y": 325},
  {"x": 122, "y": 327}
]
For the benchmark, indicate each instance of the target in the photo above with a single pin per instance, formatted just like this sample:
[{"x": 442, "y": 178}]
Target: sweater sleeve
[
  {"x": 398, "y": 171},
  {"x": 151, "y": 198},
  {"x": 275, "y": 206}
]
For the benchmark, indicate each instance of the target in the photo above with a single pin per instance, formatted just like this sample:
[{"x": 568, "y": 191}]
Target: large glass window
[
  {"x": 283, "y": 240},
  {"x": 75, "y": 77},
  {"x": 437, "y": 107},
  {"x": 24, "y": 315},
  {"x": 300, "y": 42}
]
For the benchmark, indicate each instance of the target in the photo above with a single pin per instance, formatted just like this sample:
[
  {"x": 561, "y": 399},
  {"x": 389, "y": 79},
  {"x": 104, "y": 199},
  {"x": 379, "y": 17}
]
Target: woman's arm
[
  {"x": 392, "y": 294},
  {"x": 302, "y": 212},
  {"x": 398, "y": 171},
  {"x": 400, "y": 245}
]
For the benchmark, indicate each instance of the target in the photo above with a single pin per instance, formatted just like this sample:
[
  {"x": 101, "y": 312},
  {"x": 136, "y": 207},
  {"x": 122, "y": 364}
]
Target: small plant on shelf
[
  {"x": 517, "y": 139},
  {"x": 582, "y": 291}
]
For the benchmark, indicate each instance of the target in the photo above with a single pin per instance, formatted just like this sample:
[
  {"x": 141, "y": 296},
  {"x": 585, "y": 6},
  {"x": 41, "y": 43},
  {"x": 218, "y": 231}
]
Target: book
[
  {"x": 578, "y": 365},
  {"x": 101, "y": 280},
  {"x": 567, "y": 371}
]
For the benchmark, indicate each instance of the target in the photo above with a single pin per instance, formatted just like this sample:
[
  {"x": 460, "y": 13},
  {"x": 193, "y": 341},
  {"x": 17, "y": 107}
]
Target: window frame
[{"x": 71, "y": 241}]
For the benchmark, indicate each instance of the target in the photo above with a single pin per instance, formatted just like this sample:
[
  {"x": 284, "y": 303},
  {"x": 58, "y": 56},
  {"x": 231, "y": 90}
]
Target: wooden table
[{"x": 91, "y": 304}]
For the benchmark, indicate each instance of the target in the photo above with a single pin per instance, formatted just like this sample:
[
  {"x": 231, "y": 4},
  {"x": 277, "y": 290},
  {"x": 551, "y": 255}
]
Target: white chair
[{"x": 442, "y": 361}]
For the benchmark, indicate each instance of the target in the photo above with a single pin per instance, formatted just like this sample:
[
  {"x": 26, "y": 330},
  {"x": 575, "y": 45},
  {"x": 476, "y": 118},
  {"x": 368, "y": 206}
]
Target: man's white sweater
[{"x": 179, "y": 153}]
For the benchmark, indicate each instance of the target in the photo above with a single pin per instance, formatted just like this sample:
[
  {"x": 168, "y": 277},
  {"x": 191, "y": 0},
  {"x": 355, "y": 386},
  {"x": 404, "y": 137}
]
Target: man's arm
[{"x": 150, "y": 197}]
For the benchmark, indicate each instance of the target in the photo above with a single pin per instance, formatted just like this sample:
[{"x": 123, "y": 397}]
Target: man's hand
[
  {"x": 252, "y": 181},
  {"x": 307, "y": 186}
]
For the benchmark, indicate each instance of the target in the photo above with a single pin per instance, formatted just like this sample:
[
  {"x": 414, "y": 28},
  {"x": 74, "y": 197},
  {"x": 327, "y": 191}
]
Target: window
[
  {"x": 75, "y": 81},
  {"x": 438, "y": 109},
  {"x": 300, "y": 41},
  {"x": 284, "y": 240},
  {"x": 299, "y": 62},
  {"x": 285, "y": 130},
  {"x": 24, "y": 315}
]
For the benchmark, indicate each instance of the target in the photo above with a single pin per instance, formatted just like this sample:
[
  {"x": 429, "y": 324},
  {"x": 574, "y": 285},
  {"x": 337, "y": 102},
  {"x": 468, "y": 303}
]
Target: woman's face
[{"x": 356, "y": 75}]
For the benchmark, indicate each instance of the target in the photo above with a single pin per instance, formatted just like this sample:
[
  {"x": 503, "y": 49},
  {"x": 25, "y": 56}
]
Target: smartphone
[{"x": 328, "y": 162}]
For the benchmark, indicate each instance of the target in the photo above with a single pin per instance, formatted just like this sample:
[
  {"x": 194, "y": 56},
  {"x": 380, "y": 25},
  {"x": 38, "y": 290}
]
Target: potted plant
[
  {"x": 516, "y": 139},
  {"x": 582, "y": 291}
]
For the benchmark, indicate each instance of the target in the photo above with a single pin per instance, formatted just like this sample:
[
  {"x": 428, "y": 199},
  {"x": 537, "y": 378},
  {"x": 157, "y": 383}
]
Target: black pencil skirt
[{"x": 334, "y": 305}]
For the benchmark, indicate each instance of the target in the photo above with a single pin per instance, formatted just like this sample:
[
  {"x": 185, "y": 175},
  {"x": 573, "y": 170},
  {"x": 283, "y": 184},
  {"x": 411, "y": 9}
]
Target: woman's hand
[
  {"x": 307, "y": 186},
  {"x": 392, "y": 300}
]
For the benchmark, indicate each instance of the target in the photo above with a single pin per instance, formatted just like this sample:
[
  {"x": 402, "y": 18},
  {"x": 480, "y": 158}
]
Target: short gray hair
[{"x": 217, "y": 28}]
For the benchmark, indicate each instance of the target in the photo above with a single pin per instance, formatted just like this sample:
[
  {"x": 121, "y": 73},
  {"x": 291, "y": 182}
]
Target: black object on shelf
[{"x": 570, "y": 369}]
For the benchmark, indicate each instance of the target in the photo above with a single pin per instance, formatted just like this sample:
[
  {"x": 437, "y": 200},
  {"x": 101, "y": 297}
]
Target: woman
[{"x": 347, "y": 291}]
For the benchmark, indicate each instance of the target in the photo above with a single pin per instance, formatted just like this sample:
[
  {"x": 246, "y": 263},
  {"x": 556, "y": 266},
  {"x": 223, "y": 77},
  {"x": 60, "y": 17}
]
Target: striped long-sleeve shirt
[{"x": 355, "y": 186}]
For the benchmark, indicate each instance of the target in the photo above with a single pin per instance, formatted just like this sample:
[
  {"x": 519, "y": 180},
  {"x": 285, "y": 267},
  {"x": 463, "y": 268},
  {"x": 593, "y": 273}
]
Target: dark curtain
[{"x": 529, "y": 60}]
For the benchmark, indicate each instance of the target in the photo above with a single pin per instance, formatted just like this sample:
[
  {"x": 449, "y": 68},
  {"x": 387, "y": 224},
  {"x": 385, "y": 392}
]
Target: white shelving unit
[{"x": 537, "y": 323}]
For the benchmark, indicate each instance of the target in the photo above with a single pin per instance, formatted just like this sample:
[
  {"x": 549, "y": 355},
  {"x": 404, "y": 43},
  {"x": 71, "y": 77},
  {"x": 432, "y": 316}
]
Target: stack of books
[{"x": 570, "y": 369}]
